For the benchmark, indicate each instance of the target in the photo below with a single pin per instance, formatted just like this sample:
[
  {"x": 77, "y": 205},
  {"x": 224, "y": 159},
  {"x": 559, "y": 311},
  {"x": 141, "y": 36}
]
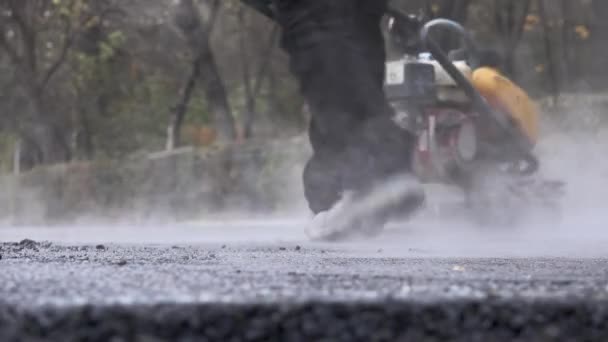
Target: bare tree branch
[
  {"x": 260, "y": 77},
  {"x": 266, "y": 60},
  {"x": 197, "y": 33},
  {"x": 549, "y": 49},
  {"x": 28, "y": 32},
  {"x": 215, "y": 9},
  {"x": 8, "y": 48},
  {"x": 70, "y": 34},
  {"x": 67, "y": 43},
  {"x": 522, "y": 22},
  {"x": 179, "y": 111}
]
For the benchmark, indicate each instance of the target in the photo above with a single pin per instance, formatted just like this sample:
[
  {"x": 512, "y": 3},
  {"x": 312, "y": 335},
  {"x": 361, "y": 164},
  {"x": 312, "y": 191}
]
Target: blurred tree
[
  {"x": 37, "y": 36},
  {"x": 253, "y": 83},
  {"x": 197, "y": 33},
  {"x": 510, "y": 17},
  {"x": 89, "y": 79},
  {"x": 549, "y": 24}
]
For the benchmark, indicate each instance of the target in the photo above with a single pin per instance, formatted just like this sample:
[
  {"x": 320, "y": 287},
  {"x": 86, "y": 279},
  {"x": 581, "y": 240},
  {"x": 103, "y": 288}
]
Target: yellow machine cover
[{"x": 505, "y": 95}]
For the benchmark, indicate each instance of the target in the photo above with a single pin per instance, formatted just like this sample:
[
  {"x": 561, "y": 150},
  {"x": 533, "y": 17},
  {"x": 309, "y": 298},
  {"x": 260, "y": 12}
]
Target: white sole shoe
[{"x": 367, "y": 214}]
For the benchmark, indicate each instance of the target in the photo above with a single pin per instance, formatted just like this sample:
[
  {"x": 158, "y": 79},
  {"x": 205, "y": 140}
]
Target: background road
[{"x": 261, "y": 280}]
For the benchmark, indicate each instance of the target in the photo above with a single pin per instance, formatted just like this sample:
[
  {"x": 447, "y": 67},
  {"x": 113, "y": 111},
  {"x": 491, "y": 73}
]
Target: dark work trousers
[{"x": 337, "y": 53}]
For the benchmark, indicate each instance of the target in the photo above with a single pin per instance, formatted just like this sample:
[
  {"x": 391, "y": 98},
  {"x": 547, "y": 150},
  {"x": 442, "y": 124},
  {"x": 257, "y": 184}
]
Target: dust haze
[
  {"x": 573, "y": 154},
  {"x": 571, "y": 151}
]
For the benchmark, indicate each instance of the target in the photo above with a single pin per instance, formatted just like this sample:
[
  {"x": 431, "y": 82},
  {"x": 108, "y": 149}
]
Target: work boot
[{"x": 366, "y": 213}]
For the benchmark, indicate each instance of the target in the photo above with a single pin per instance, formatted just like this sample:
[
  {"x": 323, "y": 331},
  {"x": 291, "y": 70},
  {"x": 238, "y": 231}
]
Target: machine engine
[
  {"x": 453, "y": 135},
  {"x": 475, "y": 128}
]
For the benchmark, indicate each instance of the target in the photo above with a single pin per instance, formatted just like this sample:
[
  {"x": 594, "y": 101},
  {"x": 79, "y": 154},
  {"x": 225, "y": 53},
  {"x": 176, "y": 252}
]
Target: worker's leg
[{"x": 337, "y": 53}]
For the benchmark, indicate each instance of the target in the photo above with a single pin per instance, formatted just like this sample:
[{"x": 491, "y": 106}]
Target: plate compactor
[{"x": 476, "y": 129}]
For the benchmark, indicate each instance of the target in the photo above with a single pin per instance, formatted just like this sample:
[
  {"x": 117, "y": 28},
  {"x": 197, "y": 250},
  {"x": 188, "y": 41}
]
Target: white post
[
  {"x": 14, "y": 184},
  {"x": 17, "y": 158},
  {"x": 170, "y": 146}
]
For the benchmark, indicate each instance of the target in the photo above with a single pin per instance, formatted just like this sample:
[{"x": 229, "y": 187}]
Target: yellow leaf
[
  {"x": 435, "y": 8},
  {"x": 531, "y": 22},
  {"x": 532, "y": 19},
  {"x": 582, "y": 31}
]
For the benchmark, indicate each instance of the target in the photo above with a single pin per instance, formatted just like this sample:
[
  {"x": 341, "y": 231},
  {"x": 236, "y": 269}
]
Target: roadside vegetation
[{"x": 84, "y": 80}]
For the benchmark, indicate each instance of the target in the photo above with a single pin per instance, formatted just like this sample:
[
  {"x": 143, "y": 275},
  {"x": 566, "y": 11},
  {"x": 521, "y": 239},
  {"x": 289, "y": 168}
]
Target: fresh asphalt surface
[{"x": 262, "y": 280}]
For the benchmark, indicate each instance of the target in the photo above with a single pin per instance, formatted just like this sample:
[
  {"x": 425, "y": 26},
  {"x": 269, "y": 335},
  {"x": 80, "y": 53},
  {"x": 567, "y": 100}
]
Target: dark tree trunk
[
  {"x": 510, "y": 21},
  {"x": 178, "y": 112},
  {"x": 50, "y": 137},
  {"x": 198, "y": 35},
  {"x": 47, "y": 140},
  {"x": 253, "y": 91},
  {"x": 83, "y": 140},
  {"x": 216, "y": 94},
  {"x": 554, "y": 78}
]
